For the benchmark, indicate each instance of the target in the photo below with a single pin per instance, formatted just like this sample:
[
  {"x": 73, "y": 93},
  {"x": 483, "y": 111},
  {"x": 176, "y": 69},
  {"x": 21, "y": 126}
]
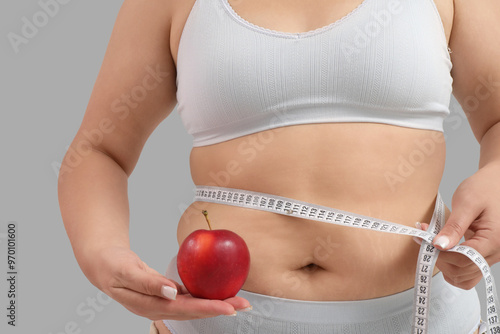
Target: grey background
[{"x": 44, "y": 92}]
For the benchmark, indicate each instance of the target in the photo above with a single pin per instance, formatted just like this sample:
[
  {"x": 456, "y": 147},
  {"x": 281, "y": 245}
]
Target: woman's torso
[{"x": 373, "y": 173}]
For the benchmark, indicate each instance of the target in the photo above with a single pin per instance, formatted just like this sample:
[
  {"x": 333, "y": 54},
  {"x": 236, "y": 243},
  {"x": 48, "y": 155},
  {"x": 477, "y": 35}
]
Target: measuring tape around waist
[{"x": 427, "y": 255}]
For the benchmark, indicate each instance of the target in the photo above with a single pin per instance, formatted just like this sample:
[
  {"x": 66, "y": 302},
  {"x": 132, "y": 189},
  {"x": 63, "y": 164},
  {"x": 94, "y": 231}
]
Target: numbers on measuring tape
[
  {"x": 495, "y": 330},
  {"x": 427, "y": 254}
]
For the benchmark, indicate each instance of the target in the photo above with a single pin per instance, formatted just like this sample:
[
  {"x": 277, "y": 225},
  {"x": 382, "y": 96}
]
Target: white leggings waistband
[{"x": 452, "y": 310}]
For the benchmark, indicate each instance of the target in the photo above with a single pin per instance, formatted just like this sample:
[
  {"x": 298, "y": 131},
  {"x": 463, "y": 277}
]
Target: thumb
[
  {"x": 463, "y": 214},
  {"x": 150, "y": 282},
  {"x": 168, "y": 281}
]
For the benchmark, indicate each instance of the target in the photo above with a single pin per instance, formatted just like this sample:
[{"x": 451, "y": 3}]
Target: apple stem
[{"x": 205, "y": 213}]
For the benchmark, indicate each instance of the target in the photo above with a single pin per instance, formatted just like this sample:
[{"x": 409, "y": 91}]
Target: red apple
[{"x": 213, "y": 264}]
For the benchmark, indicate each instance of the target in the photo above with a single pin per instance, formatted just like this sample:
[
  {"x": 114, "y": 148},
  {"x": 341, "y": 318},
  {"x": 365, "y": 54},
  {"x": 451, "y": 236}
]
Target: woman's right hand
[{"x": 121, "y": 274}]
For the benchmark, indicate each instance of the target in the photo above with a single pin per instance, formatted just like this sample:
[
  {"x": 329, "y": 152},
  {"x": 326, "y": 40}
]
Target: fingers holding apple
[
  {"x": 123, "y": 276},
  {"x": 187, "y": 307}
]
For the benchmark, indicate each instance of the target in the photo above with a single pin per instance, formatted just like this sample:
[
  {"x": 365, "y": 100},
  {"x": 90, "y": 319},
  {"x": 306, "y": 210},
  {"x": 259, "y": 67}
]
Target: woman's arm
[
  {"x": 475, "y": 42},
  {"x": 134, "y": 91},
  {"x": 490, "y": 142},
  {"x": 93, "y": 176}
]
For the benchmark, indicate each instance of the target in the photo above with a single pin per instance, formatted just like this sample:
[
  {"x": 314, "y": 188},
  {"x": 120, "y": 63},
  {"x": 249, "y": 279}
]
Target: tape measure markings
[{"x": 427, "y": 255}]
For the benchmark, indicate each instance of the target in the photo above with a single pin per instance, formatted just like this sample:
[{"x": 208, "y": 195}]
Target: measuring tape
[{"x": 426, "y": 258}]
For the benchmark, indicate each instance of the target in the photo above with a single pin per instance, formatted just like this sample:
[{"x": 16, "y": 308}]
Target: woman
[{"x": 336, "y": 103}]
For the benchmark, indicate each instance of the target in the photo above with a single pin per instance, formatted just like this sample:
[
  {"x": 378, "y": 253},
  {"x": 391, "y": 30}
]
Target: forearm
[
  {"x": 490, "y": 147},
  {"x": 94, "y": 205}
]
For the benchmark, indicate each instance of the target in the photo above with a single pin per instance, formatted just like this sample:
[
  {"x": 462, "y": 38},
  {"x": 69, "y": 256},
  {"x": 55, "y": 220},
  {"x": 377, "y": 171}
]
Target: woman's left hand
[{"x": 475, "y": 215}]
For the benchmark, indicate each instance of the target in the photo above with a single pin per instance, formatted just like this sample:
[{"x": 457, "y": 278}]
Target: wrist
[
  {"x": 490, "y": 148},
  {"x": 92, "y": 257}
]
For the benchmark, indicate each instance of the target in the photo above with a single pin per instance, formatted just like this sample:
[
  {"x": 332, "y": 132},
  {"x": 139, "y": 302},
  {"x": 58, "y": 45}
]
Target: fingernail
[
  {"x": 168, "y": 292},
  {"x": 232, "y": 315},
  {"x": 418, "y": 225},
  {"x": 417, "y": 240},
  {"x": 246, "y": 309},
  {"x": 442, "y": 242}
]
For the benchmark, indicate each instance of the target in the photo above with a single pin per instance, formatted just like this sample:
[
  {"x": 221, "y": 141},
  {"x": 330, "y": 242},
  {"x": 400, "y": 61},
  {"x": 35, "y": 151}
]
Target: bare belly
[{"x": 383, "y": 171}]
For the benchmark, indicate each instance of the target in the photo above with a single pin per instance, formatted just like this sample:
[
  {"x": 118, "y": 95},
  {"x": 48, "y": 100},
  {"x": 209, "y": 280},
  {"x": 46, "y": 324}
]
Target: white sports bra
[{"x": 385, "y": 62}]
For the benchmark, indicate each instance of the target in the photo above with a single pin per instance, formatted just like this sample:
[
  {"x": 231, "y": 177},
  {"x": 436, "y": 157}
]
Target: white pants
[{"x": 452, "y": 311}]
